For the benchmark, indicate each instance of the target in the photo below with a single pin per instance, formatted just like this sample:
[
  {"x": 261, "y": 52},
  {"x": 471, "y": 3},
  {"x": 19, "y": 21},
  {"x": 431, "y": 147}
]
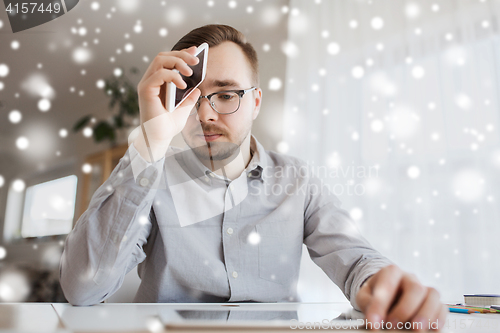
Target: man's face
[{"x": 217, "y": 136}]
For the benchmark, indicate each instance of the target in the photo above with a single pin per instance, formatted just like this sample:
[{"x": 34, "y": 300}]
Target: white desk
[
  {"x": 29, "y": 317},
  {"x": 62, "y": 317}
]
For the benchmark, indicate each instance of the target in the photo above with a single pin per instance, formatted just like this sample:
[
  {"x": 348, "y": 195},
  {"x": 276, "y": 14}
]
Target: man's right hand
[{"x": 158, "y": 124}]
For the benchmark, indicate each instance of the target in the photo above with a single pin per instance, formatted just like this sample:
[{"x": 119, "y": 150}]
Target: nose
[{"x": 205, "y": 112}]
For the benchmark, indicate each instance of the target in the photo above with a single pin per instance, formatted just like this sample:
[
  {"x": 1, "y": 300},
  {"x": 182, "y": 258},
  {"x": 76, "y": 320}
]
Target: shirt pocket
[{"x": 280, "y": 250}]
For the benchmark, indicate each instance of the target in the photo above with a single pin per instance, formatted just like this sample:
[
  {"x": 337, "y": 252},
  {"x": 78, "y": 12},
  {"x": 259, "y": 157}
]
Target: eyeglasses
[{"x": 223, "y": 102}]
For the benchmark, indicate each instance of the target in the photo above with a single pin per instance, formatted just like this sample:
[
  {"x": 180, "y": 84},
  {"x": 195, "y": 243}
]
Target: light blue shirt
[{"x": 198, "y": 237}]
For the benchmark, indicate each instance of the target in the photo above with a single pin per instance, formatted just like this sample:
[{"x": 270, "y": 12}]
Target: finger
[
  {"x": 363, "y": 299},
  {"x": 177, "y": 63},
  {"x": 384, "y": 292},
  {"x": 187, "y": 55},
  {"x": 413, "y": 295},
  {"x": 430, "y": 309},
  {"x": 181, "y": 113},
  {"x": 442, "y": 316},
  {"x": 151, "y": 87},
  {"x": 187, "y": 49},
  {"x": 191, "y": 50},
  {"x": 168, "y": 62},
  {"x": 364, "y": 296},
  {"x": 189, "y": 102},
  {"x": 159, "y": 62}
]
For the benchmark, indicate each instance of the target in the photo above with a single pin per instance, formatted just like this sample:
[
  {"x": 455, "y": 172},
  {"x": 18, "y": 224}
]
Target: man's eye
[{"x": 225, "y": 97}]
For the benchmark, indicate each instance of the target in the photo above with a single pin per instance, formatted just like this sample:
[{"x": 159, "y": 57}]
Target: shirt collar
[{"x": 257, "y": 167}]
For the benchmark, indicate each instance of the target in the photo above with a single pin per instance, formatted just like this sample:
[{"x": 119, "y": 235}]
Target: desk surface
[{"x": 144, "y": 317}]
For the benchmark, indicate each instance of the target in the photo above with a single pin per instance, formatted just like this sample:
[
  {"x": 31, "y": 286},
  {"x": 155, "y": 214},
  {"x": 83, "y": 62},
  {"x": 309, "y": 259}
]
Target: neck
[{"x": 234, "y": 167}]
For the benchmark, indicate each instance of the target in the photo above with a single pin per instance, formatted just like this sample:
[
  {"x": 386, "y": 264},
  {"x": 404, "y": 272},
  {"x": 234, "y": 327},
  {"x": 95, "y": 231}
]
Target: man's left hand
[{"x": 392, "y": 295}]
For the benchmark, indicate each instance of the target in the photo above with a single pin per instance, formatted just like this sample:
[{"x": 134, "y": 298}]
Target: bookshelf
[{"x": 102, "y": 163}]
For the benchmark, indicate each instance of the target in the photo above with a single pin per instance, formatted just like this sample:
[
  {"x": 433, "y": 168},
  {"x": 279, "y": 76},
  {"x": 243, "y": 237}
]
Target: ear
[{"x": 257, "y": 95}]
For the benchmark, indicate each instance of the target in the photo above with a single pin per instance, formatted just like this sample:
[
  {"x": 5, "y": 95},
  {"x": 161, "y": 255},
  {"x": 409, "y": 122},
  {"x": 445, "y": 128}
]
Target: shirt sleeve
[
  {"x": 335, "y": 243},
  {"x": 107, "y": 240}
]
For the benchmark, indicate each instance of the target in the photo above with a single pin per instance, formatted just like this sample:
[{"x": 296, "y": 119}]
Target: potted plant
[{"x": 124, "y": 107}]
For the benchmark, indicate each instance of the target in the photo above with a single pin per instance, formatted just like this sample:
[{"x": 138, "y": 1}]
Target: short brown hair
[{"x": 215, "y": 34}]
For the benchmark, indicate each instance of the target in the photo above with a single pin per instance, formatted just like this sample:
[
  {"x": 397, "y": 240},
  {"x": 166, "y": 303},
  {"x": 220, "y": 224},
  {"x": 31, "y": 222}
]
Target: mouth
[{"x": 209, "y": 136}]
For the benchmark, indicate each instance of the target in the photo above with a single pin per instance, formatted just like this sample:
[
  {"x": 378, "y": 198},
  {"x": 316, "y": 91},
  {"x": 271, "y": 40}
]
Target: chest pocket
[{"x": 280, "y": 250}]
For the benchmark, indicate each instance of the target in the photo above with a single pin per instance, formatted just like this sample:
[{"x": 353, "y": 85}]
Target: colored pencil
[{"x": 457, "y": 310}]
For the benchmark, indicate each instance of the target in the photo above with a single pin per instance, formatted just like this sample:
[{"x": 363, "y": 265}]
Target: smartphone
[{"x": 174, "y": 95}]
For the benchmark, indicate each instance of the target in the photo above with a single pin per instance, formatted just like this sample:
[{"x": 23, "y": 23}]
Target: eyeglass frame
[{"x": 239, "y": 92}]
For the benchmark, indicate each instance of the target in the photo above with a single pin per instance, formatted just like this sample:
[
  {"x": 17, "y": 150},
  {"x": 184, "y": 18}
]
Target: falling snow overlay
[{"x": 394, "y": 105}]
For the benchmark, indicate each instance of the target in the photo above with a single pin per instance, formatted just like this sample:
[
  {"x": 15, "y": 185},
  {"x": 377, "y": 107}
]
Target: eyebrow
[{"x": 224, "y": 83}]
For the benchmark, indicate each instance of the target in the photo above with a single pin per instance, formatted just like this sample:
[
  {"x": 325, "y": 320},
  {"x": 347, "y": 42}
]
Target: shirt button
[
  {"x": 249, "y": 174},
  {"x": 206, "y": 179},
  {"x": 144, "y": 182},
  {"x": 231, "y": 186},
  {"x": 235, "y": 274},
  {"x": 212, "y": 174},
  {"x": 230, "y": 231}
]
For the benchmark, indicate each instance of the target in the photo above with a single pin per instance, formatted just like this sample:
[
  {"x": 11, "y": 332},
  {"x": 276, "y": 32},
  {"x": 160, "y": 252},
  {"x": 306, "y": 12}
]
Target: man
[{"x": 224, "y": 220}]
